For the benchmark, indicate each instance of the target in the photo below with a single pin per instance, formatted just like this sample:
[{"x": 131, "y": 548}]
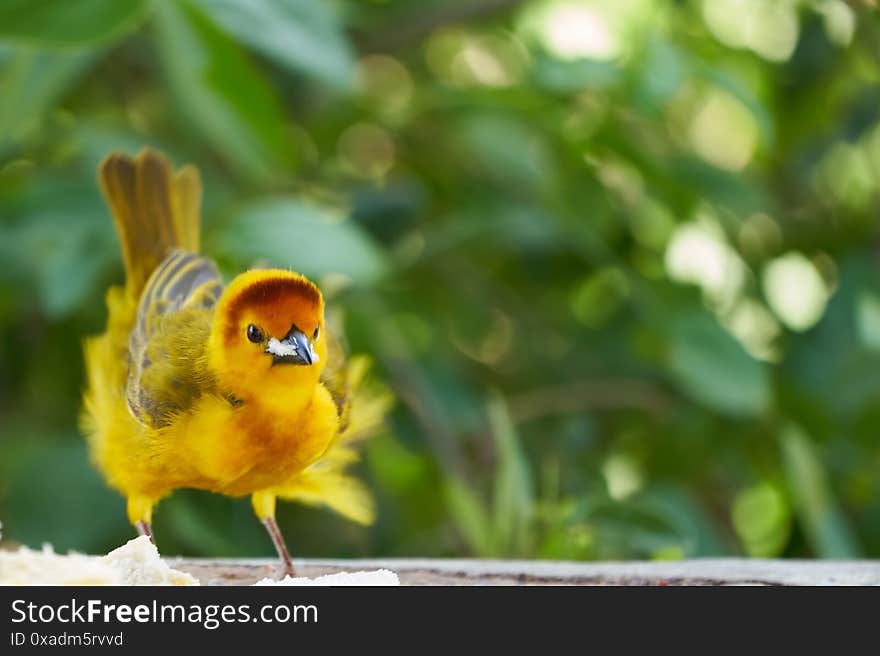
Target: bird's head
[{"x": 268, "y": 334}]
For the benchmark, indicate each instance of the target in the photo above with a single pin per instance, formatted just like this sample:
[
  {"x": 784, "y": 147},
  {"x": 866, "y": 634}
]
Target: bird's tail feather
[{"x": 155, "y": 210}]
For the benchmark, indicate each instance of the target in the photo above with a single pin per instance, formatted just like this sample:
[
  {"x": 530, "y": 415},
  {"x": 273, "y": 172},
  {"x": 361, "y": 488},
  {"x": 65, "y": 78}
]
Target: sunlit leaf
[{"x": 762, "y": 520}]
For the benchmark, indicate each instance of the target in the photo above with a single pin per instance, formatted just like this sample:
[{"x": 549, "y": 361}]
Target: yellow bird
[{"x": 240, "y": 391}]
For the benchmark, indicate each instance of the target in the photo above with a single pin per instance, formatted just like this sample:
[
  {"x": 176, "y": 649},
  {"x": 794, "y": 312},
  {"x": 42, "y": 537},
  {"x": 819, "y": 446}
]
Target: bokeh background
[{"x": 618, "y": 261}]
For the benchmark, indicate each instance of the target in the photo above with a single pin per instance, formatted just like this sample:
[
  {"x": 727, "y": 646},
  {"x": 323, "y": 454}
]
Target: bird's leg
[
  {"x": 280, "y": 546},
  {"x": 140, "y": 513},
  {"x": 264, "y": 506},
  {"x": 145, "y": 528}
]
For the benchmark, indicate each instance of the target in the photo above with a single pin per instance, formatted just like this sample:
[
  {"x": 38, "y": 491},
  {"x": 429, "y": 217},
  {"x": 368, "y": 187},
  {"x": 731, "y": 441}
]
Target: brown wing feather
[{"x": 167, "y": 368}]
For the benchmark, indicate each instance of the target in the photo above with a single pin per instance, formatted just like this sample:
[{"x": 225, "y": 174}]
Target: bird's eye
[
  {"x": 315, "y": 336},
  {"x": 254, "y": 334}
]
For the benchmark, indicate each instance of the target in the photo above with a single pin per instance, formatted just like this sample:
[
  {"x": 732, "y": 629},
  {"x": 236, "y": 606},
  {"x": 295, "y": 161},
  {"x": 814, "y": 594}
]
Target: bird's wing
[
  {"x": 335, "y": 374},
  {"x": 167, "y": 368},
  {"x": 360, "y": 408}
]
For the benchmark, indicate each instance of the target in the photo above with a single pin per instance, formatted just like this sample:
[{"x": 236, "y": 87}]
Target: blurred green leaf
[
  {"x": 762, "y": 520},
  {"x": 31, "y": 82},
  {"x": 814, "y": 502},
  {"x": 224, "y": 97},
  {"x": 288, "y": 232},
  {"x": 507, "y": 150},
  {"x": 301, "y": 35},
  {"x": 661, "y": 523},
  {"x": 469, "y": 516},
  {"x": 661, "y": 72},
  {"x": 69, "y": 22},
  {"x": 714, "y": 368},
  {"x": 747, "y": 96},
  {"x": 39, "y": 506},
  {"x": 557, "y": 75},
  {"x": 395, "y": 466},
  {"x": 44, "y": 247},
  {"x": 512, "y": 497},
  {"x": 202, "y": 523}
]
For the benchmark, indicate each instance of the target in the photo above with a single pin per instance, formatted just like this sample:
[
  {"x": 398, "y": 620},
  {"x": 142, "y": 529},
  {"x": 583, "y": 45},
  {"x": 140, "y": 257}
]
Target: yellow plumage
[{"x": 239, "y": 390}]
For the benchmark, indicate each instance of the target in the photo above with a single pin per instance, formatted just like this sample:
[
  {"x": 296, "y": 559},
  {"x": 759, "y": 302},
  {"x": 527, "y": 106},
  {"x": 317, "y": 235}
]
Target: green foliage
[
  {"x": 302, "y": 36},
  {"x": 32, "y": 82},
  {"x": 823, "y": 522},
  {"x": 762, "y": 519},
  {"x": 699, "y": 350},
  {"x": 289, "y": 233},
  {"x": 617, "y": 261},
  {"x": 223, "y": 97},
  {"x": 62, "y": 23},
  {"x": 505, "y": 528}
]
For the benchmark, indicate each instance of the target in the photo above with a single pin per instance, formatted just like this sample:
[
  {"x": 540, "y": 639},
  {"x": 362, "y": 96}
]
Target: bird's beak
[{"x": 294, "y": 348}]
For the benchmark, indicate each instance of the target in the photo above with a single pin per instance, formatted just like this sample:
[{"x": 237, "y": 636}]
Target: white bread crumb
[
  {"x": 135, "y": 563},
  {"x": 138, "y": 563},
  {"x": 30, "y": 567},
  {"x": 379, "y": 577}
]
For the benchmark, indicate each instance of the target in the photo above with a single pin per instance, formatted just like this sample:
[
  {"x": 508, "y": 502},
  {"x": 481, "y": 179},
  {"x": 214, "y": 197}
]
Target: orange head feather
[{"x": 268, "y": 335}]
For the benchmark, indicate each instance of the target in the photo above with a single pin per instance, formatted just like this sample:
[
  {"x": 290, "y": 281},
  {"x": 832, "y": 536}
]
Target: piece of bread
[
  {"x": 137, "y": 562},
  {"x": 379, "y": 577}
]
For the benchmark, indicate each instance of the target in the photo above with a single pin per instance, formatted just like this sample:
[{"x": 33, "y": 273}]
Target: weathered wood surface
[{"x": 488, "y": 572}]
